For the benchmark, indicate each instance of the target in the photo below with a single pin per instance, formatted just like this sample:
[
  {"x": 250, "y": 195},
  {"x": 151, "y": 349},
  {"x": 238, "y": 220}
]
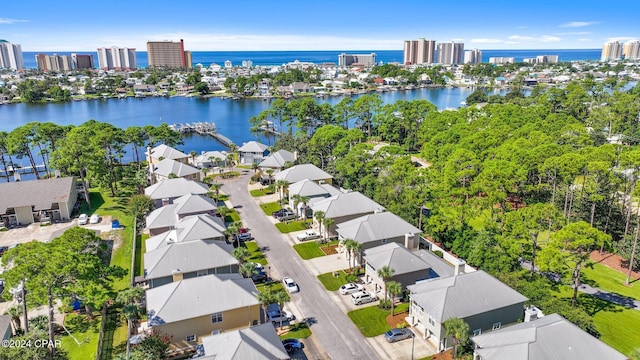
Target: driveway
[{"x": 334, "y": 335}]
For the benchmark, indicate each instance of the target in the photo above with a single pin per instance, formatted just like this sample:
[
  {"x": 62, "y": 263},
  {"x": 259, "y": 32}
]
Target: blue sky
[{"x": 317, "y": 25}]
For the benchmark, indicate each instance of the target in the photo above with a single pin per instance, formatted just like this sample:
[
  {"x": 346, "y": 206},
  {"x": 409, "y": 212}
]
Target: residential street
[{"x": 334, "y": 335}]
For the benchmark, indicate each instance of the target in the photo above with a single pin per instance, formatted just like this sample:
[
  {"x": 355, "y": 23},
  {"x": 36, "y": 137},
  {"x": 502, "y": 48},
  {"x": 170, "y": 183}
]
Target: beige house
[
  {"x": 162, "y": 151},
  {"x": 27, "y": 202},
  {"x": 190, "y": 309},
  {"x": 169, "y": 168}
]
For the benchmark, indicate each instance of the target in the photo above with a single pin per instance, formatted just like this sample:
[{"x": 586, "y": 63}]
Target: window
[
  {"x": 216, "y": 318},
  {"x": 496, "y": 326},
  {"x": 384, "y": 241},
  {"x": 477, "y": 332},
  {"x": 202, "y": 273},
  {"x": 431, "y": 321},
  {"x": 190, "y": 338}
]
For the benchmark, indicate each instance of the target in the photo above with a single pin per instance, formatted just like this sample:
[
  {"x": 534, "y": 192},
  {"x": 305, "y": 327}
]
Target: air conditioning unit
[{"x": 532, "y": 313}]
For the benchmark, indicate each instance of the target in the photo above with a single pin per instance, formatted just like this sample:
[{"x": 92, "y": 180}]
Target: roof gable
[
  {"x": 301, "y": 172},
  {"x": 345, "y": 204},
  {"x": 167, "y": 152},
  {"x": 374, "y": 227},
  {"x": 397, "y": 257},
  {"x": 278, "y": 159},
  {"x": 167, "y": 167},
  {"x": 256, "y": 343},
  {"x": 40, "y": 194},
  {"x": 253, "y": 147},
  {"x": 173, "y": 188},
  {"x": 188, "y": 257}
]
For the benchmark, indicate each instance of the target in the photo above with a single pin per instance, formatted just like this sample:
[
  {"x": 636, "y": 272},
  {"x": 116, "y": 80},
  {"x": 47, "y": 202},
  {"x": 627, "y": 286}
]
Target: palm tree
[
  {"x": 131, "y": 310},
  {"x": 355, "y": 249},
  {"x": 385, "y": 273},
  {"x": 255, "y": 167},
  {"x": 230, "y": 161},
  {"x": 319, "y": 216},
  {"x": 281, "y": 297},
  {"x": 394, "y": 288},
  {"x": 327, "y": 222},
  {"x": 15, "y": 312},
  {"x": 193, "y": 154},
  {"x": 241, "y": 254},
  {"x": 458, "y": 329},
  {"x": 304, "y": 200},
  {"x": 348, "y": 245},
  {"x": 216, "y": 187},
  {"x": 247, "y": 269},
  {"x": 265, "y": 296},
  {"x": 224, "y": 211},
  {"x": 281, "y": 185},
  {"x": 270, "y": 175}
]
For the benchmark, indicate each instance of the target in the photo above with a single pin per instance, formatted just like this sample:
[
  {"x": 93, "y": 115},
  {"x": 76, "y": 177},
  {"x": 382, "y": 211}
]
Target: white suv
[{"x": 362, "y": 297}]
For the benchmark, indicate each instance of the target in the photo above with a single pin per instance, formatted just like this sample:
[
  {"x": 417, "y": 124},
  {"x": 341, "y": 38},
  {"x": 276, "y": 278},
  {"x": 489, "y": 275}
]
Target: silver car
[{"x": 394, "y": 335}]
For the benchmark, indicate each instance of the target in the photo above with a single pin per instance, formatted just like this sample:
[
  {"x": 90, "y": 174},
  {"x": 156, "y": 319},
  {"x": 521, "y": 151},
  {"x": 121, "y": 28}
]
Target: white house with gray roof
[
  {"x": 189, "y": 259},
  {"x": 304, "y": 171},
  {"x": 211, "y": 159},
  {"x": 189, "y": 309},
  {"x": 162, "y": 152},
  {"x": 168, "y": 168},
  {"x": 26, "y": 202},
  {"x": 278, "y": 160},
  {"x": 310, "y": 189},
  {"x": 260, "y": 342},
  {"x": 164, "y": 218},
  {"x": 190, "y": 228},
  {"x": 478, "y": 298},
  {"x": 344, "y": 207},
  {"x": 253, "y": 152},
  {"x": 378, "y": 229},
  {"x": 550, "y": 337},
  {"x": 171, "y": 189}
]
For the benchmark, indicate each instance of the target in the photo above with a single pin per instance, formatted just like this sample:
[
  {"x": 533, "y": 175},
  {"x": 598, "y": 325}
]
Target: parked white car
[
  {"x": 95, "y": 219},
  {"x": 83, "y": 219},
  {"x": 362, "y": 297},
  {"x": 290, "y": 285},
  {"x": 308, "y": 235},
  {"x": 350, "y": 288}
]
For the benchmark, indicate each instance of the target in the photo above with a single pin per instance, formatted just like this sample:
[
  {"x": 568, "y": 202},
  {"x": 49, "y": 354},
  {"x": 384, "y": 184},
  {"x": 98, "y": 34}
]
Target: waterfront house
[
  {"x": 253, "y": 152},
  {"x": 168, "y": 168},
  {"x": 164, "y": 218},
  {"x": 260, "y": 342},
  {"x": 377, "y": 229},
  {"x": 211, "y": 159},
  {"x": 478, "y": 298},
  {"x": 188, "y": 309},
  {"x": 190, "y": 259},
  {"x": 550, "y": 337},
  {"x": 162, "y": 152},
  {"x": 167, "y": 190},
  {"x": 278, "y": 160},
  {"x": 27, "y": 202}
]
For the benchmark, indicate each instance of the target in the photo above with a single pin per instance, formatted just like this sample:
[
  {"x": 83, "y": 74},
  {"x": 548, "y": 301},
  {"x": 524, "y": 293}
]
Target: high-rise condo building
[
  {"x": 631, "y": 50},
  {"x": 115, "y": 58},
  {"x": 168, "y": 53},
  {"x": 450, "y": 53},
  {"x": 11, "y": 56},
  {"x": 419, "y": 51},
  {"x": 55, "y": 62},
  {"x": 473, "y": 56},
  {"x": 357, "y": 59},
  {"x": 611, "y": 51},
  {"x": 82, "y": 61},
  {"x": 502, "y": 60}
]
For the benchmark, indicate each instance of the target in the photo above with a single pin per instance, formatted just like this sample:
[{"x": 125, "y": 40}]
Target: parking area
[{"x": 47, "y": 233}]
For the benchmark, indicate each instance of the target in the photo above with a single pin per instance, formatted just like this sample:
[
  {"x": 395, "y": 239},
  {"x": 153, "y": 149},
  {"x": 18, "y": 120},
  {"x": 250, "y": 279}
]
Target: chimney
[
  {"x": 459, "y": 267},
  {"x": 177, "y": 275},
  {"x": 166, "y": 201},
  {"x": 410, "y": 241}
]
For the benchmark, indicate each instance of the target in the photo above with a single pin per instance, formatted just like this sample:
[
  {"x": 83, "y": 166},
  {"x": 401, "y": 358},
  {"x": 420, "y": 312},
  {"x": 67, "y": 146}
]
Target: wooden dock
[{"x": 204, "y": 129}]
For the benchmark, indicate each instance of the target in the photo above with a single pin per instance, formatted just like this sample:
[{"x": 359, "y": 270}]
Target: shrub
[
  {"x": 438, "y": 253},
  {"x": 385, "y": 304},
  {"x": 402, "y": 325}
]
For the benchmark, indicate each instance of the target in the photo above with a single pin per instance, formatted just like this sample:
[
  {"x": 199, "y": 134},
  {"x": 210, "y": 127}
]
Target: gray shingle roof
[
  {"x": 192, "y": 204},
  {"x": 253, "y": 147},
  {"x": 549, "y": 338},
  {"x": 397, "y": 257},
  {"x": 173, "y": 188},
  {"x": 187, "y": 256},
  {"x": 346, "y": 204},
  {"x": 162, "y": 217},
  {"x": 199, "y": 296},
  {"x": 167, "y": 152},
  {"x": 210, "y": 156},
  {"x": 463, "y": 295},
  {"x": 301, "y": 172},
  {"x": 374, "y": 227},
  {"x": 194, "y": 227},
  {"x": 307, "y": 187},
  {"x": 170, "y": 166},
  {"x": 38, "y": 193},
  {"x": 278, "y": 159},
  {"x": 438, "y": 265},
  {"x": 255, "y": 343}
]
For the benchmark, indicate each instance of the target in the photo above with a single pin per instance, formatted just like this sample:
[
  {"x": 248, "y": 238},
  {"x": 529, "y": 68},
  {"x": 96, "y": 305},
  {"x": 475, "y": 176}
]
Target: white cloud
[
  {"x": 573, "y": 24},
  {"x": 11, "y": 21},
  {"x": 533, "y": 39},
  {"x": 549, "y": 38},
  {"x": 521, "y": 38},
  {"x": 485, "y": 41},
  {"x": 575, "y": 33}
]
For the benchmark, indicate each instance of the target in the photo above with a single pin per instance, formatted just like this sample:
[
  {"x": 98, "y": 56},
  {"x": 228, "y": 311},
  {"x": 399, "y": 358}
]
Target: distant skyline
[{"x": 252, "y": 25}]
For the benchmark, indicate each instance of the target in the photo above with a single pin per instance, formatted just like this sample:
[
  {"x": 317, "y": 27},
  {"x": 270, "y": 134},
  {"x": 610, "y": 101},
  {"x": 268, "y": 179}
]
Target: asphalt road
[{"x": 334, "y": 335}]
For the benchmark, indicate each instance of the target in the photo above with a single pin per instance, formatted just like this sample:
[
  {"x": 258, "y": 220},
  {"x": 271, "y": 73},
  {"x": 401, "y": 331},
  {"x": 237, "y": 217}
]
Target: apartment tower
[
  {"x": 82, "y": 61},
  {"x": 168, "y": 53},
  {"x": 11, "y": 56},
  {"x": 115, "y": 58},
  {"x": 473, "y": 56},
  {"x": 55, "y": 62},
  {"x": 419, "y": 51},
  {"x": 357, "y": 59},
  {"x": 632, "y": 50},
  {"x": 611, "y": 51},
  {"x": 450, "y": 53}
]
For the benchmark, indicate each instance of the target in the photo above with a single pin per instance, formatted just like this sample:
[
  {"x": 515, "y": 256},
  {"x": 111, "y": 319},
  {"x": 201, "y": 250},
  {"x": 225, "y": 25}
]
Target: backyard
[{"x": 312, "y": 249}]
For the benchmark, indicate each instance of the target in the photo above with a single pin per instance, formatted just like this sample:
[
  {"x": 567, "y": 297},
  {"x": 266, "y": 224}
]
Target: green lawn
[
  {"x": 256, "y": 254},
  {"x": 270, "y": 208},
  {"x": 373, "y": 321},
  {"x": 86, "y": 332},
  {"x": 297, "y": 331},
  {"x": 311, "y": 249},
  {"x": 333, "y": 283},
  {"x": 291, "y": 226},
  {"x": 610, "y": 280},
  {"x": 261, "y": 192},
  {"x": 141, "y": 248},
  {"x": 618, "y": 328},
  {"x": 273, "y": 286}
]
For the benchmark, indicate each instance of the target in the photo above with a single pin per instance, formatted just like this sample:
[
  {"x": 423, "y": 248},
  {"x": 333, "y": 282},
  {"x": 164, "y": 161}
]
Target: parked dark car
[
  {"x": 291, "y": 345},
  {"x": 259, "y": 277},
  {"x": 278, "y": 213}
]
